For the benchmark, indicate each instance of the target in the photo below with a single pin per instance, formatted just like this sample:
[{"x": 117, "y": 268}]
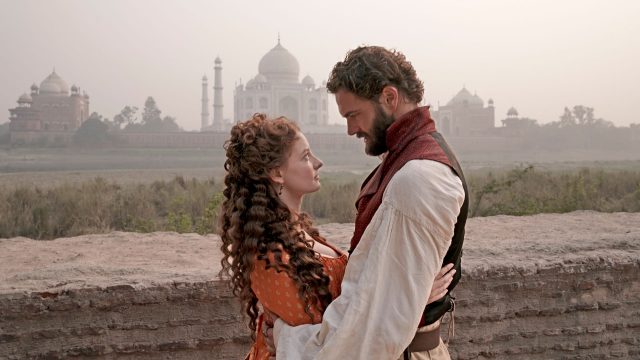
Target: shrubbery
[
  {"x": 192, "y": 205},
  {"x": 98, "y": 206}
]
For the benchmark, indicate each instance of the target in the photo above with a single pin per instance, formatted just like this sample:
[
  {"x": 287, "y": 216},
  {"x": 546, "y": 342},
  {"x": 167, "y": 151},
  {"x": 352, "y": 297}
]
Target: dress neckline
[{"x": 339, "y": 253}]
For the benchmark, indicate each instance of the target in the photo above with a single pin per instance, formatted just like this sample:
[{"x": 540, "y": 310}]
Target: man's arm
[{"x": 389, "y": 275}]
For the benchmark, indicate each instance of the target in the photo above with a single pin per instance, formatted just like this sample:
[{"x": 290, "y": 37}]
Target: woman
[{"x": 272, "y": 253}]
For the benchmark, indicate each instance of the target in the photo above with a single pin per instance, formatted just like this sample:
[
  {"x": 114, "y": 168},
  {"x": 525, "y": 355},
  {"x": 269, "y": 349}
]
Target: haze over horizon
[{"x": 538, "y": 56}]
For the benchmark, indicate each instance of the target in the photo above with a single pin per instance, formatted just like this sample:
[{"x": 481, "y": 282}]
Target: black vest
[{"x": 437, "y": 309}]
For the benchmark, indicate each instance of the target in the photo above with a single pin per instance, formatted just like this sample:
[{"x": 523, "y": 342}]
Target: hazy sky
[{"x": 538, "y": 56}]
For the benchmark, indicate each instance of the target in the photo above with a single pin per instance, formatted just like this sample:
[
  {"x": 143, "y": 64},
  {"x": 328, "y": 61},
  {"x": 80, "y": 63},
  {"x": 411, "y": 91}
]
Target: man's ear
[
  {"x": 276, "y": 175},
  {"x": 389, "y": 98}
]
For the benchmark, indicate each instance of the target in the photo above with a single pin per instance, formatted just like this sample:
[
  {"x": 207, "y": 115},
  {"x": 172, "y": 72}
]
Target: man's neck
[{"x": 403, "y": 108}]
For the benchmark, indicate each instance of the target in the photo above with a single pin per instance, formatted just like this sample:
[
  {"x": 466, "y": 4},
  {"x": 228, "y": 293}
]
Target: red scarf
[{"x": 408, "y": 138}]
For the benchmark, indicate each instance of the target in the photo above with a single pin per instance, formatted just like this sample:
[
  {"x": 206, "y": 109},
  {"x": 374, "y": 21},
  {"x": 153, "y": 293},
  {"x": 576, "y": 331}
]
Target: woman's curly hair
[{"x": 255, "y": 222}]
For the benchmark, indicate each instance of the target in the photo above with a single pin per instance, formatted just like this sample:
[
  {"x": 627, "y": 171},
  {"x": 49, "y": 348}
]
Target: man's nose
[{"x": 352, "y": 128}]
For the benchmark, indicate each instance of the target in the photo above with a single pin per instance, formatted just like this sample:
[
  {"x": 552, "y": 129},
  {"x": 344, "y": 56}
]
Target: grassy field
[
  {"x": 48, "y": 193},
  {"x": 46, "y": 205}
]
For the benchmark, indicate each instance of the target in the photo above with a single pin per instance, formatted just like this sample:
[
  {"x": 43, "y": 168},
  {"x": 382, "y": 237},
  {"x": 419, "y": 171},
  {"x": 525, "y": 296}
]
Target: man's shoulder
[
  {"x": 421, "y": 173},
  {"x": 421, "y": 182}
]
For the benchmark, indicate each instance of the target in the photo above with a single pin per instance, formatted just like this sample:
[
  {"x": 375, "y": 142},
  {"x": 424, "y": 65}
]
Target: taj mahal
[{"x": 276, "y": 90}]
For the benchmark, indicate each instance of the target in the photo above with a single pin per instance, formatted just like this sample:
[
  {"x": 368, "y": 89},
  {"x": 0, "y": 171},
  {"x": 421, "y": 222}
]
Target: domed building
[
  {"x": 277, "y": 91},
  {"x": 50, "y": 114},
  {"x": 465, "y": 115}
]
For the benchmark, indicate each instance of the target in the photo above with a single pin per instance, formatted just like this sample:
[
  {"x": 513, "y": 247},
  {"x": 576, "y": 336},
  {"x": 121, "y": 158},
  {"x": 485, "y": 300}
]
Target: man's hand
[
  {"x": 441, "y": 283},
  {"x": 267, "y": 332}
]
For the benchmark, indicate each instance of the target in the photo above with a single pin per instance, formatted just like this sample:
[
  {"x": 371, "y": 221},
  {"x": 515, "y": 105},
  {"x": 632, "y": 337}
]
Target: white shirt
[{"x": 389, "y": 276}]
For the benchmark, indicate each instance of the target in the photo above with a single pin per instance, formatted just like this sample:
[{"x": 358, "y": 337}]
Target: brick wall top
[{"x": 571, "y": 242}]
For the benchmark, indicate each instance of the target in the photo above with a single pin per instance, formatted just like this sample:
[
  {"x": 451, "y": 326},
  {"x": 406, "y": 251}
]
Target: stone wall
[{"x": 539, "y": 287}]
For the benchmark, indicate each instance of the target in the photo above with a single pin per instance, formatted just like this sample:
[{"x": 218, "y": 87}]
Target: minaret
[
  {"x": 217, "y": 96},
  {"x": 204, "y": 115}
]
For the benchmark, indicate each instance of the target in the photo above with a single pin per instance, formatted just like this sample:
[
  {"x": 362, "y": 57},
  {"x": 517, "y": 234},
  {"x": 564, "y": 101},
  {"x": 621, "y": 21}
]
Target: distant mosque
[
  {"x": 465, "y": 115},
  {"x": 49, "y": 113},
  {"x": 275, "y": 90}
]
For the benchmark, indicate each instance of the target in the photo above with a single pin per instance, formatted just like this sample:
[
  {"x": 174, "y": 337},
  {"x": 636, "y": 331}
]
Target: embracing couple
[{"x": 306, "y": 298}]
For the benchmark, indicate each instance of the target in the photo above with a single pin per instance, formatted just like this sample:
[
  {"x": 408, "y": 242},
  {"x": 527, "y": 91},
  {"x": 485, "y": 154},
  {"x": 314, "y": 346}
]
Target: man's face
[{"x": 365, "y": 119}]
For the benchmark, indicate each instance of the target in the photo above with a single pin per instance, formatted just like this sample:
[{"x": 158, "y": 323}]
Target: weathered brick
[
  {"x": 586, "y": 285},
  {"x": 608, "y": 305},
  {"x": 47, "y": 334},
  {"x": 176, "y": 346},
  {"x": 551, "y": 311},
  {"x": 573, "y": 331},
  {"x": 130, "y": 348},
  {"x": 613, "y": 327},
  {"x": 186, "y": 322},
  {"x": 587, "y": 306},
  {"x": 88, "y": 350},
  {"x": 529, "y": 334},
  {"x": 5, "y": 338},
  {"x": 587, "y": 344},
  {"x": 512, "y": 286},
  {"x": 491, "y": 317},
  {"x": 565, "y": 346},
  {"x": 527, "y": 313},
  {"x": 211, "y": 343},
  {"x": 596, "y": 329},
  {"x": 552, "y": 332},
  {"x": 504, "y": 337},
  {"x": 88, "y": 331},
  {"x": 489, "y": 354}
]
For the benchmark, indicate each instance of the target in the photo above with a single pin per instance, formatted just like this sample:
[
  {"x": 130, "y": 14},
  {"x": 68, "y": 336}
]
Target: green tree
[
  {"x": 169, "y": 124},
  {"x": 94, "y": 131},
  {"x": 567, "y": 118},
  {"x": 126, "y": 117},
  {"x": 151, "y": 113}
]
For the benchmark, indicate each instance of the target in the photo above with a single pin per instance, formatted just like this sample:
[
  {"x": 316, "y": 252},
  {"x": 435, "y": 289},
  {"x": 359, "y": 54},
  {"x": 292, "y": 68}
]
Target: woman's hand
[{"x": 441, "y": 283}]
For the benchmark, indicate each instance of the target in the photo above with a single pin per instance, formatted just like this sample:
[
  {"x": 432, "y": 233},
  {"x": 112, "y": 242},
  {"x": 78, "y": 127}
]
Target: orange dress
[{"x": 278, "y": 293}]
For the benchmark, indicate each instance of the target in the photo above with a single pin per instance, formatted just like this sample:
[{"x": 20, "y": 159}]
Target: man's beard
[{"x": 377, "y": 137}]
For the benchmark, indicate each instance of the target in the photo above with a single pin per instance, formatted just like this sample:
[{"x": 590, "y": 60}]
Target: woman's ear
[{"x": 275, "y": 175}]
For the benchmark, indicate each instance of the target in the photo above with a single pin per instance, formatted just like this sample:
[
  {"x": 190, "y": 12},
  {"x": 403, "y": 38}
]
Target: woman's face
[{"x": 300, "y": 173}]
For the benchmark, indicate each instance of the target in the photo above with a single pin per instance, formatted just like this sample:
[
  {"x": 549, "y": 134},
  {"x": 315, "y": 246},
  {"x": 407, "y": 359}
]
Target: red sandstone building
[
  {"x": 50, "y": 114},
  {"x": 465, "y": 115}
]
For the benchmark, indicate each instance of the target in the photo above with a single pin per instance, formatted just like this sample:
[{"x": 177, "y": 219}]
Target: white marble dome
[
  {"x": 308, "y": 81},
  {"x": 278, "y": 65},
  {"x": 25, "y": 98},
  {"x": 465, "y": 97},
  {"x": 260, "y": 79}
]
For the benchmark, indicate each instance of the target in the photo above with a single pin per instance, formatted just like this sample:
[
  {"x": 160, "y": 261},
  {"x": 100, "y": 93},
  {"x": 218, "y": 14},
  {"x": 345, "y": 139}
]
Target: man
[{"x": 411, "y": 214}]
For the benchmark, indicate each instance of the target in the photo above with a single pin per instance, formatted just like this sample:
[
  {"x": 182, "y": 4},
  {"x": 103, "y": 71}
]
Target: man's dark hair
[{"x": 366, "y": 70}]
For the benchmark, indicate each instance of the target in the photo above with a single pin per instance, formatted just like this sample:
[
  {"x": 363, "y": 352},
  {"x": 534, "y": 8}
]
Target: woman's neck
[{"x": 294, "y": 203}]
